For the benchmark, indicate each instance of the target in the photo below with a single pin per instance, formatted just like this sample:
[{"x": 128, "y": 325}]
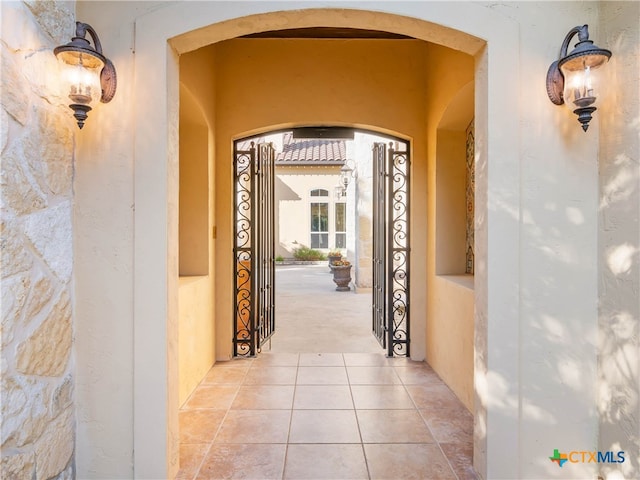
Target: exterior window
[
  {"x": 341, "y": 225},
  {"x": 319, "y": 225},
  {"x": 319, "y": 193}
]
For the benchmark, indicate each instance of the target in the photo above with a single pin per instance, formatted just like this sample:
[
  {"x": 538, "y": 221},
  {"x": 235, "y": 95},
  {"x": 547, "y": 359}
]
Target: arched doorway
[
  {"x": 255, "y": 207},
  {"x": 195, "y": 30}
]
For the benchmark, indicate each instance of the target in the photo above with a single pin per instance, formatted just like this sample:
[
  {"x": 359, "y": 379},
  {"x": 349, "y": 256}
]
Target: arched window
[{"x": 319, "y": 192}]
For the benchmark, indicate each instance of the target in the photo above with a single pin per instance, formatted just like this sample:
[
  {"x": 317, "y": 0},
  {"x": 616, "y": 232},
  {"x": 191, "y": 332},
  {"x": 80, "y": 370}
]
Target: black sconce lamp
[
  {"x": 571, "y": 79},
  {"x": 88, "y": 73},
  {"x": 347, "y": 172}
]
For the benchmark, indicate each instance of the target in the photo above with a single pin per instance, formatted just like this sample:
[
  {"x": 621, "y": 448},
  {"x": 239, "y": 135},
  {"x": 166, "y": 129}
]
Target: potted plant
[{"x": 341, "y": 275}]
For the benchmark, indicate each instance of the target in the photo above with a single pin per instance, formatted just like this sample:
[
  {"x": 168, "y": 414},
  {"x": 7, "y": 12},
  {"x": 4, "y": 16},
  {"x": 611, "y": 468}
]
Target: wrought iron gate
[
  {"x": 391, "y": 168},
  {"x": 254, "y": 248}
]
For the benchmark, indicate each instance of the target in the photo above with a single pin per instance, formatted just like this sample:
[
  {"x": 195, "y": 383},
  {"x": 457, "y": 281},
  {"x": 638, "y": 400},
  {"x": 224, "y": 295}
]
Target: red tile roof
[
  {"x": 311, "y": 151},
  {"x": 306, "y": 152}
]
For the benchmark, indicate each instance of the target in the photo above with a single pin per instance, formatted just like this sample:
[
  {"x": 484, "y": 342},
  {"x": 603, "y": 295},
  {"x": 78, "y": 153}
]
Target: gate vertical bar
[
  {"x": 379, "y": 316},
  {"x": 272, "y": 239},
  {"x": 244, "y": 248},
  {"x": 259, "y": 246},
  {"x": 398, "y": 254},
  {"x": 265, "y": 254}
]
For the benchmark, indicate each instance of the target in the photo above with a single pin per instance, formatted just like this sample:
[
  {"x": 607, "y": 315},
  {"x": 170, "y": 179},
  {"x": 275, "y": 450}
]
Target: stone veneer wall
[{"x": 37, "y": 140}]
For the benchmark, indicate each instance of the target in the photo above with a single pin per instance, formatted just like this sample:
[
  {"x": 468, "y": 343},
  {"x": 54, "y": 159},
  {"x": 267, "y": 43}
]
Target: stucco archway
[{"x": 155, "y": 302}]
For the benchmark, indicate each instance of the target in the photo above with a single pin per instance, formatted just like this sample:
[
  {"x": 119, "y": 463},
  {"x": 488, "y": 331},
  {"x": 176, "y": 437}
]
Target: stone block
[
  {"x": 15, "y": 258},
  {"x": 18, "y": 466},
  {"x": 68, "y": 473},
  {"x": 46, "y": 351},
  {"x": 4, "y": 129},
  {"x": 62, "y": 396},
  {"x": 19, "y": 190},
  {"x": 55, "y": 17},
  {"x": 55, "y": 447},
  {"x": 15, "y": 90},
  {"x": 42, "y": 290},
  {"x": 24, "y": 410},
  {"x": 51, "y": 153},
  {"x": 50, "y": 233},
  {"x": 14, "y": 297}
]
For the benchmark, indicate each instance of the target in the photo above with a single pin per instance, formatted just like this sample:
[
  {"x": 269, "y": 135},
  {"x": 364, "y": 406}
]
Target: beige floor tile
[
  {"x": 393, "y": 426},
  {"x": 267, "y": 397},
  {"x": 432, "y": 396},
  {"x": 322, "y": 376},
  {"x": 268, "y": 375},
  {"x": 255, "y": 426},
  {"x": 450, "y": 431},
  {"x": 212, "y": 396},
  {"x": 324, "y": 426},
  {"x": 276, "y": 359},
  {"x": 450, "y": 423},
  {"x": 250, "y": 462},
  {"x": 372, "y": 376},
  {"x": 199, "y": 425},
  {"x": 226, "y": 374},
  {"x": 366, "y": 360},
  {"x": 325, "y": 462},
  {"x": 323, "y": 397},
  {"x": 460, "y": 456},
  {"x": 407, "y": 462},
  {"x": 367, "y": 397},
  {"x": 418, "y": 375},
  {"x": 321, "y": 360},
  {"x": 191, "y": 456}
]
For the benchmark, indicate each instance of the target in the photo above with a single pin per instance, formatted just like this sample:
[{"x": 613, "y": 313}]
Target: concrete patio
[{"x": 312, "y": 317}]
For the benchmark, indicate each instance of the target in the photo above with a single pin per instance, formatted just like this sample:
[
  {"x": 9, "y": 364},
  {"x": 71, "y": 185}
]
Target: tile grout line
[
  {"x": 293, "y": 400},
  {"x": 226, "y": 413},
  {"x": 355, "y": 412},
  {"x": 436, "y": 441}
]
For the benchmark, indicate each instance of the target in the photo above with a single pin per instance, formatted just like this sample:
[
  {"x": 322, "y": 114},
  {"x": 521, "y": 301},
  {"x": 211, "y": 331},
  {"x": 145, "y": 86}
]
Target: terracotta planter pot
[{"x": 342, "y": 277}]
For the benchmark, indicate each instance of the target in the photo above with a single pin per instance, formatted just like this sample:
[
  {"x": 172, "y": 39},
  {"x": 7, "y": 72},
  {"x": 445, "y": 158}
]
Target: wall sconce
[
  {"x": 87, "y": 72},
  {"x": 571, "y": 79},
  {"x": 347, "y": 172}
]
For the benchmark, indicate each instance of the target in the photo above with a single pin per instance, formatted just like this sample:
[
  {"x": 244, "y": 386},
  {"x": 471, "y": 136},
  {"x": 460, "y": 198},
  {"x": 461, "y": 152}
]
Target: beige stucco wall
[
  {"x": 450, "y": 346},
  {"x": 194, "y": 193},
  {"x": 196, "y": 334},
  {"x": 37, "y": 140},
  {"x": 535, "y": 272},
  {"x": 450, "y": 303},
  {"x": 619, "y": 241},
  {"x": 293, "y": 186},
  {"x": 196, "y": 328}
]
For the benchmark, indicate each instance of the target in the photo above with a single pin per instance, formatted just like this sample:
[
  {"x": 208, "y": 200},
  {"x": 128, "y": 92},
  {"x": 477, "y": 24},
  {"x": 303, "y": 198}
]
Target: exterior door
[
  {"x": 254, "y": 249},
  {"x": 390, "y": 306}
]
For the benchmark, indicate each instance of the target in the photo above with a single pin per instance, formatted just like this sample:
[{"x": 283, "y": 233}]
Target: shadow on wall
[
  {"x": 619, "y": 347},
  {"x": 559, "y": 378},
  {"x": 285, "y": 193}
]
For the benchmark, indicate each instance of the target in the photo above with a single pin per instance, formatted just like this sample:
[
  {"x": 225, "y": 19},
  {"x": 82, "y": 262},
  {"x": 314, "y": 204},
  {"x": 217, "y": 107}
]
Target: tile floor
[{"x": 324, "y": 416}]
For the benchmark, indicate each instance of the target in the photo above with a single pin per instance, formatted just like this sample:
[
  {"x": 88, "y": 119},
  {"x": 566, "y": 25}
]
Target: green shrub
[
  {"x": 306, "y": 253},
  {"x": 279, "y": 258}
]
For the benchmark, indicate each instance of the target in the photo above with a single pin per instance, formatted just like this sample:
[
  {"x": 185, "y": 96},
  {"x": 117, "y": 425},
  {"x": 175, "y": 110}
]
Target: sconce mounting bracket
[
  {"x": 108, "y": 81},
  {"x": 555, "y": 84}
]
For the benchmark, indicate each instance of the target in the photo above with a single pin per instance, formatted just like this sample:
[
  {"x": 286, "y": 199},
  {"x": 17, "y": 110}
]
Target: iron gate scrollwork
[
  {"x": 391, "y": 170},
  {"x": 254, "y": 249}
]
